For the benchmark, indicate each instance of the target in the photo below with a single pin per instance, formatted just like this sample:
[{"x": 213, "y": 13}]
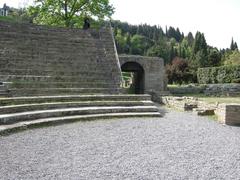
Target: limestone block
[{"x": 229, "y": 114}]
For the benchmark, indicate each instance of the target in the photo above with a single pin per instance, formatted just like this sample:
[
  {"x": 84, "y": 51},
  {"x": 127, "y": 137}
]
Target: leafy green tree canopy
[
  {"x": 69, "y": 13},
  {"x": 233, "y": 59}
]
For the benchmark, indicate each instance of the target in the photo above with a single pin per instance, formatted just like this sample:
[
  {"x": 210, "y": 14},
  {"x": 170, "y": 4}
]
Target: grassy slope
[{"x": 7, "y": 18}]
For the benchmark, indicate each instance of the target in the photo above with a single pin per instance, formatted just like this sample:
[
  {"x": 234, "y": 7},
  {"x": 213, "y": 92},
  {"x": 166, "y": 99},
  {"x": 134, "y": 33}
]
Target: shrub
[
  {"x": 236, "y": 80},
  {"x": 222, "y": 74},
  {"x": 179, "y": 72}
]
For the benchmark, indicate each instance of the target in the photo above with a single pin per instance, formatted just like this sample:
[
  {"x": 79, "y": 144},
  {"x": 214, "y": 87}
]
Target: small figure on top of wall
[{"x": 86, "y": 24}]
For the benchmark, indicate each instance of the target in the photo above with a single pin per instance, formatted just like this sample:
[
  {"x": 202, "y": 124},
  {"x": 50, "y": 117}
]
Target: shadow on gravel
[{"x": 161, "y": 109}]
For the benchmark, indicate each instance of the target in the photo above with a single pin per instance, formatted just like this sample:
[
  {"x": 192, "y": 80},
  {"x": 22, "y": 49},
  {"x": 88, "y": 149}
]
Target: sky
[{"x": 217, "y": 19}]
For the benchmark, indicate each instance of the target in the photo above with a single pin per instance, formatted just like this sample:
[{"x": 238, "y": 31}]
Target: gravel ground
[{"x": 177, "y": 146}]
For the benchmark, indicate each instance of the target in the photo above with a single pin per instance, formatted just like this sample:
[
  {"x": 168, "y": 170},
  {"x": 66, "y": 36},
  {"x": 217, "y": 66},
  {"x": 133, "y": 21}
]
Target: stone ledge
[
  {"x": 8, "y": 129},
  {"x": 63, "y": 105},
  {"x": 30, "y": 115}
]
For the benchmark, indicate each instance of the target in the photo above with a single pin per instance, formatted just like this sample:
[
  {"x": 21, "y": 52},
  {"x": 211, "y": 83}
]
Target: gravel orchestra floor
[{"x": 178, "y": 146}]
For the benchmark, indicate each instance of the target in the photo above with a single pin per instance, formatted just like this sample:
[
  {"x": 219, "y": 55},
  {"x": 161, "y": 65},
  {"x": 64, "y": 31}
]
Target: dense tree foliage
[
  {"x": 69, "y": 13},
  {"x": 178, "y": 50},
  {"x": 233, "y": 45},
  {"x": 233, "y": 58},
  {"x": 174, "y": 47},
  {"x": 178, "y": 71}
]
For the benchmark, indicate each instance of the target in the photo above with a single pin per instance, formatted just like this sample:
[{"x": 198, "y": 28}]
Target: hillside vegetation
[{"x": 183, "y": 53}]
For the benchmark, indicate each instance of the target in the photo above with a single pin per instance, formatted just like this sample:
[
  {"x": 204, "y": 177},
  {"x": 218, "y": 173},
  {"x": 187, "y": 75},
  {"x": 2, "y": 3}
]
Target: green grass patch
[
  {"x": 8, "y": 18},
  {"x": 220, "y": 99}
]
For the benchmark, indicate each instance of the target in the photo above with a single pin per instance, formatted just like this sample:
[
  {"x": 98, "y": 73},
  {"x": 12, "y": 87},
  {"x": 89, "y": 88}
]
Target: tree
[
  {"x": 178, "y": 71},
  {"x": 161, "y": 49},
  {"x": 199, "y": 43},
  {"x": 139, "y": 44},
  {"x": 69, "y": 13},
  {"x": 233, "y": 45},
  {"x": 190, "y": 38},
  {"x": 186, "y": 48},
  {"x": 173, "y": 33},
  {"x": 199, "y": 51},
  {"x": 233, "y": 59},
  {"x": 214, "y": 57}
]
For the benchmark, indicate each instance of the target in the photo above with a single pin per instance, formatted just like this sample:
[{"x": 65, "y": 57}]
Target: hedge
[{"x": 222, "y": 74}]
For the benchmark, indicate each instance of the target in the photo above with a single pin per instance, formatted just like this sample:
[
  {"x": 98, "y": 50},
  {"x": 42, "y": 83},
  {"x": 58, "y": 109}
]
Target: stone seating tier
[
  {"x": 23, "y": 112},
  {"x": 67, "y": 61},
  {"x": 55, "y": 75}
]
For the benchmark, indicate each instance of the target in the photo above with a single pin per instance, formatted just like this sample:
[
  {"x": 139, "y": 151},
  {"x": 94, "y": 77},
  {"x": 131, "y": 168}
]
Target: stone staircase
[
  {"x": 3, "y": 90},
  {"x": 41, "y": 60},
  {"x": 25, "y": 112},
  {"x": 56, "y": 75}
]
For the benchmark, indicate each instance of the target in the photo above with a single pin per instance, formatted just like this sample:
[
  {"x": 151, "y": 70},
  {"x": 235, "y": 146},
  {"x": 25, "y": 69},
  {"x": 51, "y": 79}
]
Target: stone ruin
[
  {"x": 50, "y": 75},
  {"x": 227, "y": 113}
]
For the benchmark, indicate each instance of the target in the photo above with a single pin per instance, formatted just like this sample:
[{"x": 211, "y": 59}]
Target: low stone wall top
[
  {"x": 226, "y": 113},
  {"x": 222, "y": 89},
  {"x": 189, "y": 89},
  {"x": 231, "y": 89}
]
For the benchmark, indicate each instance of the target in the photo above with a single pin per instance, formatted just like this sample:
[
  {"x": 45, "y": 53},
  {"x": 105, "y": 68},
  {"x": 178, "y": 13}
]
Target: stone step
[
  {"x": 61, "y": 105},
  {"x": 56, "y": 76},
  {"x": 6, "y": 129},
  {"x": 57, "y": 72},
  {"x": 63, "y": 38},
  {"x": 72, "y": 98},
  {"x": 28, "y": 28},
  {"x": 3, "y": 89},
  {"x": 3, "y": 93},
  {"x": 57, "y": 62},
  {"x": 52, "y": 91},
  {"x": 32, "y": 115},
  {"x": 79, "y": 79},
  {"x": 49, "y": 84},
  {"x": 49, "y": 34},
  {"x": 54, "y": 49}
]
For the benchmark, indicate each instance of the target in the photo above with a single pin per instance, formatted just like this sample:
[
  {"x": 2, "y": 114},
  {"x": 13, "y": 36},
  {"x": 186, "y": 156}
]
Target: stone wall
[
  {"x": 229, "y": 114},
  {"x": 226, "y": 113},
  {"x": 187, "y": 89},
  {"x": 222, "y": 89},
  {"x": 180, "y": 103},
  {"x": 39, "y": 59},
  {"x": 153, "y": 70},
  {"x": 208, "y": 89}
]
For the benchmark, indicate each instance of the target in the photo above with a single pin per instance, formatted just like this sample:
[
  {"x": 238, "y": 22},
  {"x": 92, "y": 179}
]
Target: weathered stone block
[{"x": 229, "y": 114}]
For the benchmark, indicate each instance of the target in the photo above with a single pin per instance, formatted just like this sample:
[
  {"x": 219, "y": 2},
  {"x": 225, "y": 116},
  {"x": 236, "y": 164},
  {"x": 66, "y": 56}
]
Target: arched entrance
[{"x": 138, "y": 75}]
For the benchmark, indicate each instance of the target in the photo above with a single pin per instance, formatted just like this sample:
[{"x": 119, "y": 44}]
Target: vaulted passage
[{"x": 138, "y": 76}]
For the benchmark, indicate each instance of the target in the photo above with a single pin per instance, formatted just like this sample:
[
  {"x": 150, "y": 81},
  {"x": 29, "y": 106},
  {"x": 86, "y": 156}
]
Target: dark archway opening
[{"x": 137, "y": 73}]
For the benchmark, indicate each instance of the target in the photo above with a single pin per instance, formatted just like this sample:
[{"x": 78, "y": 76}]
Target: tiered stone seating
[
  {"x": 54, "y": 75},
  {"x": 3, "y": 90},
  {"x": 23, "y": 112},
  {"x": 40, "y": 60}
]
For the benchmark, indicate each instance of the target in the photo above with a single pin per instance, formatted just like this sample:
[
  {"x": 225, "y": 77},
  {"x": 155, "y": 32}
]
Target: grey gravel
[{"x": 178, "y": 146}]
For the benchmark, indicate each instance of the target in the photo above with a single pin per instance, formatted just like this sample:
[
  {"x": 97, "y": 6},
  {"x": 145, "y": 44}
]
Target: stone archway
[
  {"x": 151, "y": 71},
  {"x": 138, "y": 77}
]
